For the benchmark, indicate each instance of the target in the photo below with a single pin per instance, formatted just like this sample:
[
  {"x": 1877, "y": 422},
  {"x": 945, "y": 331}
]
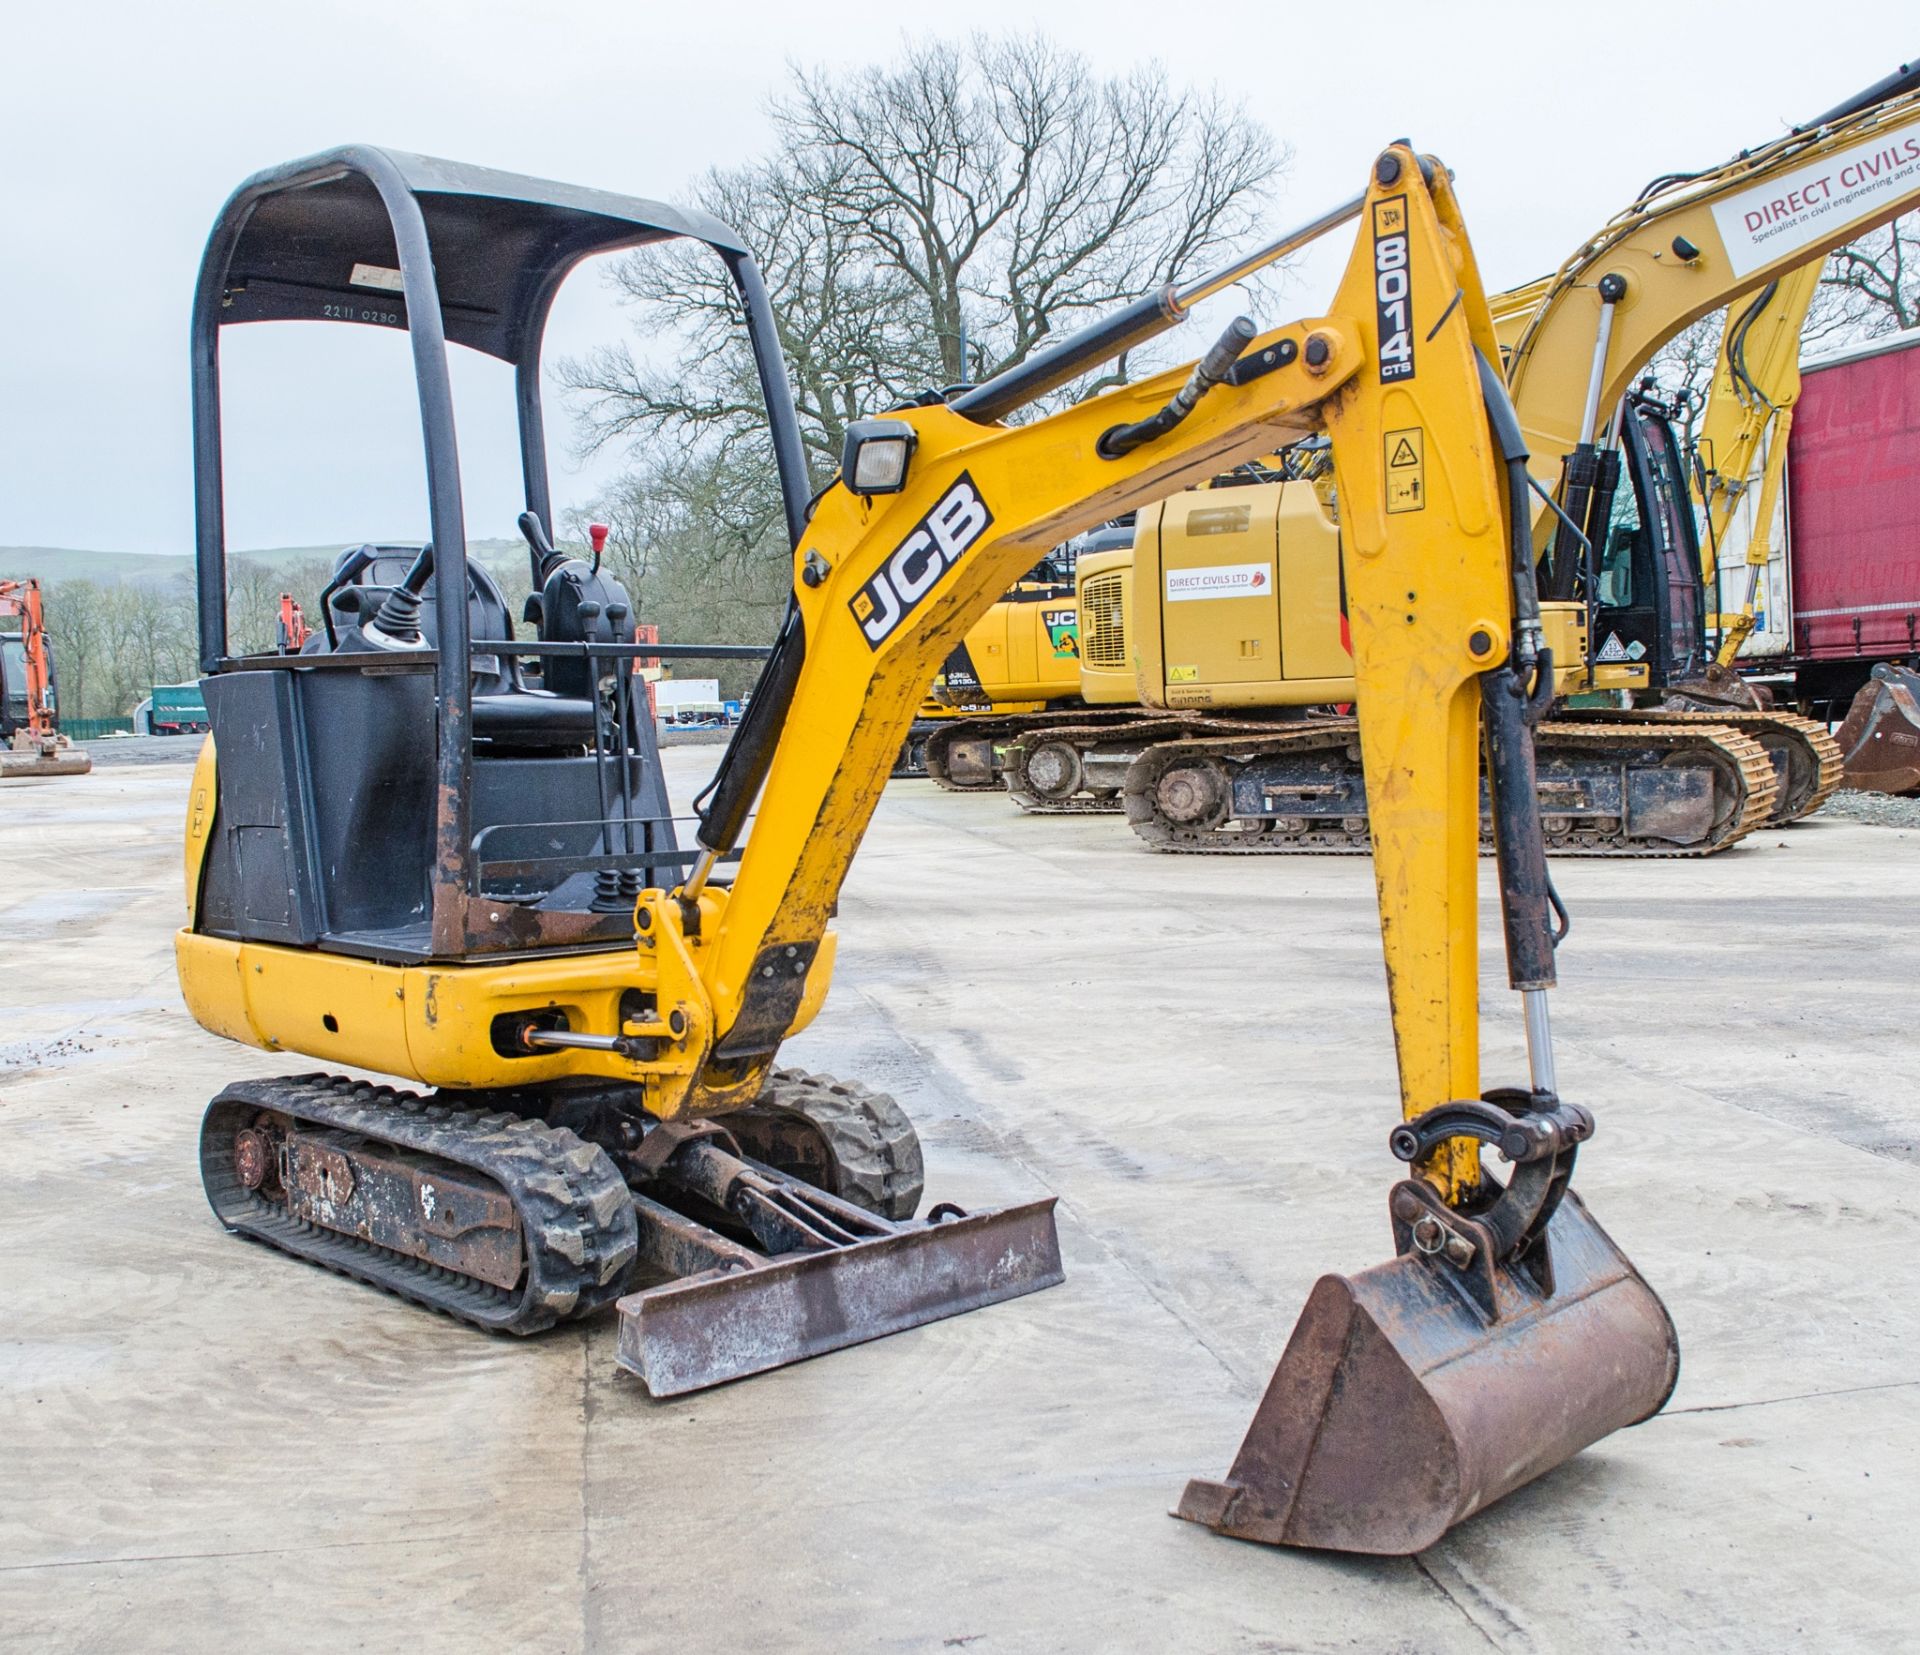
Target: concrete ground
[{"x": 203, "y": 1443}]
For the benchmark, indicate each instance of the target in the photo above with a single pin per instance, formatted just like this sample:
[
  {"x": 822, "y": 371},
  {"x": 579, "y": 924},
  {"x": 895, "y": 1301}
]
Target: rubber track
[
  {"x": 577, "y": 1220},
  {"x": 1750, "y": 759},
  {"x": 875, "y": 1149},
  {"x": 1829, "y": 762}
]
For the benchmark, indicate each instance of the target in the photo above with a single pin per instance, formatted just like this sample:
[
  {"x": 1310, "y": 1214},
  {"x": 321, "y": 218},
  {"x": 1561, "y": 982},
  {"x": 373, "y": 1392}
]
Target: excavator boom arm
[
  {"x": 886, "y": 584},
  {"x": 1697, "y": 246}
]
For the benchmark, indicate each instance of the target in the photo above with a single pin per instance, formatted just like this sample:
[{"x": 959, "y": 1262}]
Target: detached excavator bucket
[
  {"x": 1419, "y": 1392},
  {"x": 1881, "y": 734}
]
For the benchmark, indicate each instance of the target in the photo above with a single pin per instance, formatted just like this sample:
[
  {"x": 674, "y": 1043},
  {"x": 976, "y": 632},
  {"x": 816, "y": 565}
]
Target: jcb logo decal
[
  {"x": 1393, "y": 288},
  {"x": 918, "y": 562}
]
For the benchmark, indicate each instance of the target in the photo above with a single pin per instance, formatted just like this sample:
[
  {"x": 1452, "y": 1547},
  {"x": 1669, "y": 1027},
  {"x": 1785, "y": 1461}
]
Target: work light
[{"x": 874, "y": 458}]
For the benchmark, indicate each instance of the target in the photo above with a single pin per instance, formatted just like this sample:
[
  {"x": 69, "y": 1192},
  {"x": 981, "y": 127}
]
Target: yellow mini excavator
[
  {"x": 434, "y": 849},
  {"x": 1227, "y": 616}
]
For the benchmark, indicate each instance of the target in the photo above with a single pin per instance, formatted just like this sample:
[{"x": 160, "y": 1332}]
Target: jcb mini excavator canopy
[{"x": 457, "y": 254}]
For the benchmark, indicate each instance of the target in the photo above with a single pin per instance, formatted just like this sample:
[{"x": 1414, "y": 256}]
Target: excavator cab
[
  {"x": 406, "y": 787},
  {"x": 1646, "y": 602}
]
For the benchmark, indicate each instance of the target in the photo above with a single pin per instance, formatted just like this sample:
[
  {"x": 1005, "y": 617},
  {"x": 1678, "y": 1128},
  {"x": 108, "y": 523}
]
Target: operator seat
[{"x": 507, "y": 711}]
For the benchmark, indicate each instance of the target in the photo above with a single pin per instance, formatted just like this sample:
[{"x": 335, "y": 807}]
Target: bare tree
[
  {"x": 850, "y": 331},
  {"x": 1872, "y": 286},
  {"x": 920, "y": 224},
  {"x": 1683, "y": 367},
  {"x": 1017, "y": 191}
]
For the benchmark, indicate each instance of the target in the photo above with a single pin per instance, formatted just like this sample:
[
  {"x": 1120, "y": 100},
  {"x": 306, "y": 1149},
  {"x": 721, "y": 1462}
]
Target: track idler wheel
[
  {"x": 1054, "y": 772},
  {"x": 1197, "y": 794}
]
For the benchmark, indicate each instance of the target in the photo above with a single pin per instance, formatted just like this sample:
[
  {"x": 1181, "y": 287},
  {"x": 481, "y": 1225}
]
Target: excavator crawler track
[
  {"x": 970, "y": 754},
  {"x": 315, "y": 1165},
  {"x": 837, "y": 1135},
  {"x": 1189, "y": 796},
  {"x": 1081, "y": 769},
  {"x": 1806, "y": 759}
]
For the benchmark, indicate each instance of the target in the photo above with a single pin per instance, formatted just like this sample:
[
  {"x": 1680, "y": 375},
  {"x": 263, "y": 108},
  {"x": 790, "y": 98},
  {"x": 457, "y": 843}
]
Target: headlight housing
[{"x": 873, "y": 460}]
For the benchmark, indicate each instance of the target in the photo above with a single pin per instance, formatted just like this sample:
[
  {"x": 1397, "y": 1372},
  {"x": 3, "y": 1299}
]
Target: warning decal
[
  {"x": 1407, "y": 469},
  {"x": 1613, "y": 649}
]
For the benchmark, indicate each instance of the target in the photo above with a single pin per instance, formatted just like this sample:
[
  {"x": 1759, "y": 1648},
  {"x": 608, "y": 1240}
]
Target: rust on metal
[
  {"x": 421, "y": 1208},
  {"x": 252, "y": 1157},
  {"x": 1404, "y": 1404},
  {"x": 1880, "y": 737},
  {"x": 743, "y": 1319}
]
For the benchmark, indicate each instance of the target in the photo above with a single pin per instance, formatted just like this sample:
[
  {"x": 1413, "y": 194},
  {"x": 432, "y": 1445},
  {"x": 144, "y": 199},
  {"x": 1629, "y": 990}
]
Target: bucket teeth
[{"x": 1400, "y": 1407}]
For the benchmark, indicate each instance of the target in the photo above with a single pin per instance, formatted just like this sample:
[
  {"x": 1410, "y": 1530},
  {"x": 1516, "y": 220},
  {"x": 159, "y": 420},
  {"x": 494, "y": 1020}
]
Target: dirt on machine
[{"x": 430, "y": 847}]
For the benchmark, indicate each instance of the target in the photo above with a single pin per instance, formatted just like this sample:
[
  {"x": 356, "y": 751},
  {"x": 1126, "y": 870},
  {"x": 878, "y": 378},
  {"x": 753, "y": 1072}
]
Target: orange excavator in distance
[{"x": 30, "y": 740}]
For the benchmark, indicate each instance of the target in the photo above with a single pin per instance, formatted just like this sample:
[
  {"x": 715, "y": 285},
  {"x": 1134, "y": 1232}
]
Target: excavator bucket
[
  {"x": 1881, "y": 734},
  {"x": 1421, "y": 1391}
]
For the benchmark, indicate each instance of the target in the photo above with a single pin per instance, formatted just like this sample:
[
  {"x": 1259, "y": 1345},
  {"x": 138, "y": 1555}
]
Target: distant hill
[{"x": 48, "y": 564}]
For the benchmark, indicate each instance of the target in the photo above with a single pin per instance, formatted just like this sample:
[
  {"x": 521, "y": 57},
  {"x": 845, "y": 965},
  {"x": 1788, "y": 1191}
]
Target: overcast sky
[{"x": 127, "y": 124}]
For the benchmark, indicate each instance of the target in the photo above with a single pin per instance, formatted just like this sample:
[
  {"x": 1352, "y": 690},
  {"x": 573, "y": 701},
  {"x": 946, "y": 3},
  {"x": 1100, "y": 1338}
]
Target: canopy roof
[{"x": 316, "y": 243}]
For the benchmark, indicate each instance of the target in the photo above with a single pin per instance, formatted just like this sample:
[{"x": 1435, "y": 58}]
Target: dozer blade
[
  {"x": 1881, "y": 734},
  {"x": 727, "y": 1323},
  {"x": 1401, "y": 1406},
  {"x": 68, "y": 762}
]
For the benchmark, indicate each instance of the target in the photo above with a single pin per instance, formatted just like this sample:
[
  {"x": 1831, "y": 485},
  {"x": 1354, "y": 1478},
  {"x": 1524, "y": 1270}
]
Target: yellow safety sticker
[
  {"x": 1182, "y": 675},
  {"x": 1407, "y": 469}
]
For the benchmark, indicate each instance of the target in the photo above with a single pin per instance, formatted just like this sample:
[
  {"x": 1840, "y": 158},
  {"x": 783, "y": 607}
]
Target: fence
[{"x": 92, "y": 729}]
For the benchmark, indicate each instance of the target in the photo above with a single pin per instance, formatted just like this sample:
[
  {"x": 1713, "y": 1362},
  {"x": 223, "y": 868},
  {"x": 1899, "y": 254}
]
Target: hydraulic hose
[
  {"x": 1209, "y": 371},
  {"x": 1514, "y": 696}
]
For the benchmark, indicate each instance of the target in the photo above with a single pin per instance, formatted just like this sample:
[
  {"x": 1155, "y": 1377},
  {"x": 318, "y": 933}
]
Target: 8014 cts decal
[
  {"x": 958, "y": 519},
  {"x": 1393, "y": 288}
]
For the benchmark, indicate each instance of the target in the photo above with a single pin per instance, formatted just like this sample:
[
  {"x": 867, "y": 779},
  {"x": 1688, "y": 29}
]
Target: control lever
[{"x": 534, "y": 532}]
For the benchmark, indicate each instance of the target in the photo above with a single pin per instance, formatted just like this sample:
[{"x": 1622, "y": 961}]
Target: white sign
[
  {"x": 1793, "y": 211},
  {"x": 1221, "y": 580},
  {"x": 377, "y": 275},
  {"x": 686, "y": 692}
]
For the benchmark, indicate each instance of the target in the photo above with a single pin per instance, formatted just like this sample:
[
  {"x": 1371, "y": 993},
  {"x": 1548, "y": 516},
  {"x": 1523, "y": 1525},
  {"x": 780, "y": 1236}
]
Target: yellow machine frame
[{"x": 733, "y": 970}]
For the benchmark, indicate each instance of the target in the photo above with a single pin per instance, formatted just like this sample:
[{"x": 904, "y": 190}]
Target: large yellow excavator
[
  {"x": 431, "y": 849},
  {"x": 1212, "y": 744}
]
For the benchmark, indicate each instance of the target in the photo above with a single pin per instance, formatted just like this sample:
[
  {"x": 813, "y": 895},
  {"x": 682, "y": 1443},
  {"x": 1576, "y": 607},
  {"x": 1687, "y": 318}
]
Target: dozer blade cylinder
[
  {"x": 1402, "y": 1407},
  {"x": 726, "y": 1324}
]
